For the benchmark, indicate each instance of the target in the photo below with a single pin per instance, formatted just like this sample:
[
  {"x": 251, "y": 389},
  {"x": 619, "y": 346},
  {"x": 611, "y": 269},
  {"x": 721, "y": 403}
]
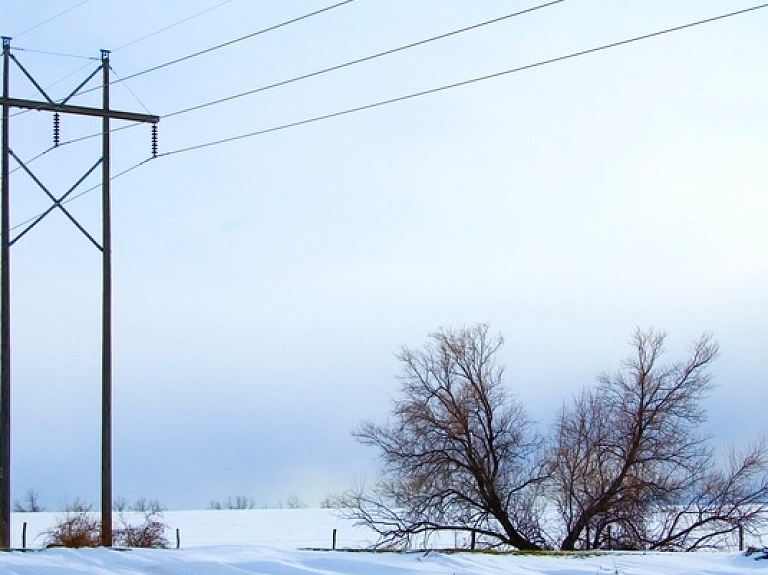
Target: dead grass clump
[{"x": 81, "y": 527}]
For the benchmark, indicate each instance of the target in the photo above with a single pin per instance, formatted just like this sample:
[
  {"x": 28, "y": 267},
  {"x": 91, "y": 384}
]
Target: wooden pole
[
  {"x": 5, "y": 319},
  {"x": 106, "y": 343}
]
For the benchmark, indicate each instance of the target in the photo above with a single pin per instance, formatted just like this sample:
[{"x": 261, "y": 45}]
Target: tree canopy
[{"x": 626, "y": 465}]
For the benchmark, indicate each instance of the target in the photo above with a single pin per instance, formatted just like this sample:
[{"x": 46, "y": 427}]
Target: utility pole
[
  {"x": 106, "y": 317},
  {"x": 5, "y": 318},
  {"x": 62, "y": 107}
]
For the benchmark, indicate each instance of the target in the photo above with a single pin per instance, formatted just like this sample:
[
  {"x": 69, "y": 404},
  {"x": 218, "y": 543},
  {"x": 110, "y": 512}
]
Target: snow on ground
[
  {"x": 279, "y": 542},
  {"x": 285, "y": 528}
]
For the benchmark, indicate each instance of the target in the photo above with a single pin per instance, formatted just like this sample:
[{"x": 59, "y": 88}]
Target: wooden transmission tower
[{"x": 62, "y": 107}]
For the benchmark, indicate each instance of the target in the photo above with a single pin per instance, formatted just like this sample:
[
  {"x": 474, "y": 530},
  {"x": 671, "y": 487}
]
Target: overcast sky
[{"x": 262, "y": 287}]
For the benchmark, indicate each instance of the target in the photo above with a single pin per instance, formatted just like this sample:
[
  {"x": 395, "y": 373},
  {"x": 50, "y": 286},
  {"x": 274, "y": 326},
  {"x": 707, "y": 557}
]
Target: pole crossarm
[{"x": 78, "y": 110}]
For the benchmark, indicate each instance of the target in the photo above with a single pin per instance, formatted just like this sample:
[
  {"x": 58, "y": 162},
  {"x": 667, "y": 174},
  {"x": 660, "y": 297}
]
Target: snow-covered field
[{"x": 287, "y": 542}]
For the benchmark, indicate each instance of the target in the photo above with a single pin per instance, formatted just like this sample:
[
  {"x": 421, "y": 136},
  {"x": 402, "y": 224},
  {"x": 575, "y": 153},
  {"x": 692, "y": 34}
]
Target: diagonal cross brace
[
  {"x": 83, "y": 83},
  {"x": 57, "y": 202},
  {"x": 31, "y": 79}
]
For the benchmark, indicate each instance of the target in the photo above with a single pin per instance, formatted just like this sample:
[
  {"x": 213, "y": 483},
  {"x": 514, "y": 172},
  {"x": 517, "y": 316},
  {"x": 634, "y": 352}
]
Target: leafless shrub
[
  {"x": 149, "y": 533},
  {"x": 80, "y": 527}
]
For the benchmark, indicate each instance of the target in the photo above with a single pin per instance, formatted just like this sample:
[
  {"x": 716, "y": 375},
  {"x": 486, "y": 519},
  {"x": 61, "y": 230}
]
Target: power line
[
  {"x": 170, "y": 26},
  {"x": 50, "y": 53},
  {"x": 37, "y": 157},
  {"x": 201, "y": 52},
  {"x": 228, "y": 43},
  {"x": 414, "y": 95},
  {"x": 361, "y": 60},
  {"x": 131, "y": 43},
  {"x": 51, "y": 19},
  {"x": 118, "y": 175},
  {"x": 463, "y": 83},
  {"x": 127, "y": 87},
  {"x": 60, "y": 54},
  {"x": 86, "y": 191},
  {"x": 332, "y": 68}
]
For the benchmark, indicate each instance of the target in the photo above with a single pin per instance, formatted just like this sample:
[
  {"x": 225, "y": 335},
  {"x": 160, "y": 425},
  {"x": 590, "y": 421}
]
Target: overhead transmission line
[
  {"x": 51, "y": 53},
  {"x": 51, "y": 19},
  {"x": 161, "y": 66},
  {"x": 131, "y": 92},
  {"x": 164, "y": 29},
  {"x": 183, "y": 58},
  {"x": 85, "y": 191},
  {"x": 475, "y": 80},
  {"x": 225, "y": 44},
  {"x": 171, "y": 26},
  {"x": 445, "y": 87},
  {"x": 363, "y": 59},
  {"x": 335, "y": 67},
  {"x": 126, "y": 45}
]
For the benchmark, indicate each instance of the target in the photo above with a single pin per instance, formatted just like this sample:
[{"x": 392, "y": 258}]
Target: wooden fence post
[{"x": 741, "y": 537}]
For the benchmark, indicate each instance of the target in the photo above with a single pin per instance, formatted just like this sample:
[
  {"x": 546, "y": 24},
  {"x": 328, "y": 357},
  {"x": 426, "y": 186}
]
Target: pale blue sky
[{"x": 262, "y": 287}]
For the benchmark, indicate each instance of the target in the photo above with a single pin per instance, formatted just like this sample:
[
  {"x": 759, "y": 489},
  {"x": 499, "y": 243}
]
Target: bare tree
[
  {"x": 729, "y": 501},
  {"x": 460, "y": 453},
  {"x": 30, "y": 502},
  {"x": 293, "y": 502},
  {"x": 631, "y": 466},
  {"x": 120, "y": 504},
  {"x": 240, "y": 502},
  {"x": 144, "y": 505},
  {"x": 234, "y": 502}
]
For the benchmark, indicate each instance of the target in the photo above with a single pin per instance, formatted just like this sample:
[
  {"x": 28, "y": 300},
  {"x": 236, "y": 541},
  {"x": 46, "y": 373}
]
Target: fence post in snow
[
  {"x": 741, "y": 537},
  {"x": 334, "y": 540},
  {"x": 24, "y": 536},
  {"x": 178, "y": 539}
]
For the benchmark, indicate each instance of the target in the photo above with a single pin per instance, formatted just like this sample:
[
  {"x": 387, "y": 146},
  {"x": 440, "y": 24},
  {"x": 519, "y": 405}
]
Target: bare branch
[{"x": 459, "y": 454}]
